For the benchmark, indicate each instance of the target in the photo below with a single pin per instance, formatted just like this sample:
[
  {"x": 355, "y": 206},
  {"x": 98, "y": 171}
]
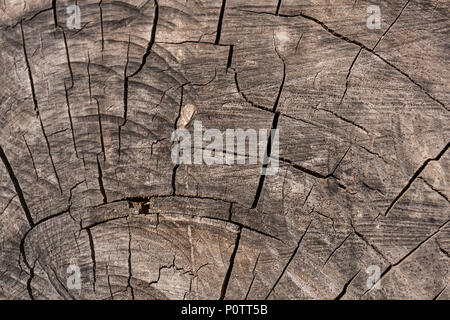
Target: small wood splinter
[{"x": 186, "y": 115}]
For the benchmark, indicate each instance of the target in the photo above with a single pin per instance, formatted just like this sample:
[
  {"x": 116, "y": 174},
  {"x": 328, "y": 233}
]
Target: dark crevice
[
  {"x": 31, "y": 156},
  {"x": 30, "y": 278},
  {"x": 125, "y": 86},
  {"x": 30, "y": 75},
  {"x": 230, "y": 57},
  {"x": 175, "y": 168},
  {"x": 434, "y": 189},
  {"x": 391, "y": 266},
  {"x": 336, "y": 249},
  {"x": 253, "y": 277},
  {"x": 89, "y": 76},
  {"x": 141, "y": 66},
  {"x": 36, "y": 108},
  {"x": 17, "y": 187},
  {"x": 422, "y": 242},
  {"x": 226, "y": 280},
  {"x": 414, "y": 177},
  {"x": 130, "y": 274},
  {"x": 242, "y": 226},
  {"x": 55, "y": 17},
  {"x": 348, "y": 75},
  {"x": 266, "y": 161},
  {"x": 314, "y": 173},
  {"x": 101, "y": 26},
  {"x": 307, "y": 196},
  {"x": 389, "y": 28},
  {"x": 305, "y": 170},
  {"x": 68, "y": 60},
  {"x": 22, "y": 246},
  {"x": 100, "y": 182},
  {"x": 174, "y": 178},
  {"x": 7, "y": 27},
  {"x": 280, "y": 90},
  {"x": 151, "y": 42},
  {"x": 70, "y": 121},
  {"x": 102, "y": 222},
  {"x": 345, "y": 120},
  {"x": 344, "y": 289},
  {"x": 109, "y": 283},
  {"x": 325, "y": 216},
  {"x": 439, "y": 294},
  {"x": 245, "y": 97},
  {"x": 219, "y": 22},
  {"x": 277, "y": 10},
  {"x": 289, "y": 261},
  {"x": 60, "y": 283},
  {"x": 8, "y": 203},
  {"x": 363, "y": 238},
  {"x": 50, "y": 153},
  {"x": 442, "y": 249},
  {"x": 102, "y": 141},
  {"x": 94, "y": 264}
]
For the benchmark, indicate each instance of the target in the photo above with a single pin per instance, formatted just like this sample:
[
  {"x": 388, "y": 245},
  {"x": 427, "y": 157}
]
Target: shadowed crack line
[
  {"x": 280, "y": 90},
  {"x": 267, "y": 154},
  {"x": 70, "y": 120},
  {"x": 230, "y": 57},
  {"x": 363, "y": 238},
  {"x": 8, "y": 203},
  {"x": 289, "y": 261},
  {"x": 68, "y": 60},
  {"x": 55, "y": 17},
  {"x": 223, "y": 291},
  {"x": 393, "y": 265},
  {"x": 17, "y": 187},
  {"x": 101, "y": 26},
  {"x": 439, "y": 294},
  {"x": 434, "y": 189},
  {"x": 220, "y": 22},
  {"x": 277, "y": 10},
  {"x": 253, "y": 278},
  {"x": 336, "y": 249},
  {"x": 100, "y": 181},
  {"x": 22, "y": 248},
  {"x": 414, "y": 177},
  {"x": 392, "y": 24},
  {"x": 130, "y": 274},
  {"x": 242, "y": 226},
  {"x": 141, "y": 66},
  {"x": 314, "y": 173},
  {"x": 344, "y": 289},
  {"x": 30, "y": 75},
  {"x": 94, "y": 264},
  {"x": 245, "y": 97},
  {"x": 31, "y": 157},
  {"x": 102, "y": 141}
]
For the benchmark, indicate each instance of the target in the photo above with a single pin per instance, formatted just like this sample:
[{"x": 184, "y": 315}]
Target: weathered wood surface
[{"x": 86, "y": 118}]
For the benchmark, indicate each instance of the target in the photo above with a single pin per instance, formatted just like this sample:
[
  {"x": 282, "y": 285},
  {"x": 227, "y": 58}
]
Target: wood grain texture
[{"x": 86, "y": 118}]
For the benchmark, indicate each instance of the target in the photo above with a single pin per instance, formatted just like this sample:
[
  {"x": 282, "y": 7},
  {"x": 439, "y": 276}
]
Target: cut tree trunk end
[{"x": 92, "y": 205}]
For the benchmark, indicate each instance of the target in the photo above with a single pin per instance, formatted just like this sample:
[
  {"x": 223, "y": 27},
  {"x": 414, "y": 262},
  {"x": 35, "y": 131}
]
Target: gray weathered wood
[{"x": 86, "y": 118}]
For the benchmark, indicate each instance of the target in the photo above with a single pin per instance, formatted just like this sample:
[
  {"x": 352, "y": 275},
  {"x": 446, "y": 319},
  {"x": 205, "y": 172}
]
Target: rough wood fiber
[{"x": 86, "y": 118}]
